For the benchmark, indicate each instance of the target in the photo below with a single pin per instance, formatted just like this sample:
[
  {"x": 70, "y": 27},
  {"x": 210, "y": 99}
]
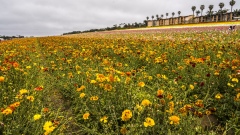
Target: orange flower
[
  {"x": 160, "y": 93},
  {"x": 1, "y": 78},
  {"x": 15, "y": 64},
  {"x": 45, "y": 110},
  {"x": 81, "y": 88},
  {"x": 86, "y": 115}
]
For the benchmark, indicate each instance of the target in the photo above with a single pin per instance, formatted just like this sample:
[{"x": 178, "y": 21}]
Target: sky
[{"x": 55, "y": 17}]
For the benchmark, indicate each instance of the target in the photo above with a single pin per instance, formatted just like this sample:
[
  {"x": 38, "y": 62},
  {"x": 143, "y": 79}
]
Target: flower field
[{"x": 181, "y": 81}]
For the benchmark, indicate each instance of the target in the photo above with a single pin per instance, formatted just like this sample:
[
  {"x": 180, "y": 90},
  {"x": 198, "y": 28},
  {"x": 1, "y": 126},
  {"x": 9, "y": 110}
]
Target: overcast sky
[{"x": 54, "y": 17}]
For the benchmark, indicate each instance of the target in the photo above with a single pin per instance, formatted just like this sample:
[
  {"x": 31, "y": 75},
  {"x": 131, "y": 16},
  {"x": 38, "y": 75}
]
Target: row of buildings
[{"x": 190, "y": 19}]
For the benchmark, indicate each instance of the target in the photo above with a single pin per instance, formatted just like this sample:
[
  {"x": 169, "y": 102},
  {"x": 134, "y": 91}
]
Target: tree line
[
  {"x": 114, "y": 27},
  {"x": 209, "y": 13},
  {"x": 10, "y": 37}
]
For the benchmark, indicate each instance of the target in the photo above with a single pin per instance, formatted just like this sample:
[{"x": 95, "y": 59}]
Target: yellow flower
[
  {"x": 93, "y": 81},
  {"x": 1, "y": 78},
  {"x": 218, "y": 96},
  {"x": 100, "y": 78},
  {"x": 94, "y": 98},
  {"x": 104, "y": 119},
  {"x": 164, "y": 77},
  {"x": 169, "y": 96},
  {"x": 174, "y": 119},
  {"x": 70, "y": 75},
  {"x": 48, "y": 127},
  {"x": 86, "y": 115},
  {"x": 216, "y": 73},
  {"x": 123, "y": 130},
  {"x": 191, "y": 86},
  {"x": 235, "y": 80},
  {"x": 146, "y": 102},
  {"x": 23, "y": 91},
  {"x": 7, "y": 111},
  {"x": 81, "y": 88},
  {"x": 108, "y": 87},
  {"x": 230, "y": 85},
  {"x": 117, "y": 79},
  {"x": 238, "y": 96},
  {"x": 183, "y": 87},
  {"x": 126, "y": 115},
  {"x": 37, "y": 117},
  {"x": 141, "y": 84},
  {"x": 138, "y": 107},
  {"x": 30, "y": 98},
  {"x": 208, "y": 112},
  {"x": 149, "y": 122},
  {"x": 28, "y": 67},
  {"x": 82, "y": 95}
]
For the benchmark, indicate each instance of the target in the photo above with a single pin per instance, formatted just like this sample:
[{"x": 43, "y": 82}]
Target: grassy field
[{"x": 155, "y": 81}]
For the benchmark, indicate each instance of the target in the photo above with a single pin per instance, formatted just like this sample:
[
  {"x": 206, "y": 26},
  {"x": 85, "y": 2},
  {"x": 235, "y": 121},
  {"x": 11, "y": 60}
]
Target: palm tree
[
  {"x": 157, "y": 17},
  {"x": 232, "y": 3},
  {"x": 166, "y": 15},
  {"x": 179, "y": 12},
  {"x": 147, "y": 17},
  {"x": 236, "y": 12},
  {"x": 197, "y": 12},
  {"x": 161, "y": 15},
  {"x": 153, "y": 23},
  {"x": 172, "y": 17},
  {"x": 173, "y": 14},
  {"x": 193, "y": 9},
  {"x": 210, "y": 10},
  {"x": 221, "y": 5},
  {"x": 202, "y": 7}
]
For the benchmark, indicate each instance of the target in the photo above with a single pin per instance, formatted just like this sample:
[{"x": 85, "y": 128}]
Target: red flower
[{"x": 39, "y": 88}]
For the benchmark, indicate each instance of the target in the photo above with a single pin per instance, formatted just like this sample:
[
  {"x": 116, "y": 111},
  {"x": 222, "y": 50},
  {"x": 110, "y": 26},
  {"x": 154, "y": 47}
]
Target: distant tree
[
  {"x": 166, "y": 15},
  {"x": 236, "y": 12},
  {"x": 202, "y": 7},
  {"x": 193, "y": 9},
  {"x": 179, "y": 12},
  {"x": 232, "y": 3},
  {"x": 152, "y": 17},
  {"x": 145, "y": 22},
  {"x": 172, "y": 17},
  {"x": 221, "y": 5},
  {"x": 161, "y": 15},
  {"x": 147, "y": 17},
  {"x": 197, "y": 12},
  {"x": 210, "y": 11},
  {"x": 157, "y": 16},
  {"x": 173, "y": 14}
]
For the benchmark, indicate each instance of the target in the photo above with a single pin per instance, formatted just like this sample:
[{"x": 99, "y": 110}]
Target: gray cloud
[{"x": 54, "y": 17}]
